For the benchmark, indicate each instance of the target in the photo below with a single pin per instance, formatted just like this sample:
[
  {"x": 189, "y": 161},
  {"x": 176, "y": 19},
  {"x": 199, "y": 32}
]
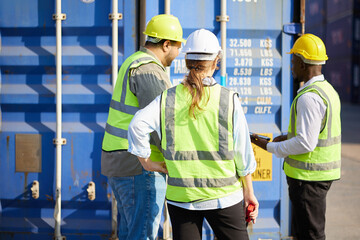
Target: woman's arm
[
  {"x": 249, "y": 196},
  {"x": 145, "y": 122}
]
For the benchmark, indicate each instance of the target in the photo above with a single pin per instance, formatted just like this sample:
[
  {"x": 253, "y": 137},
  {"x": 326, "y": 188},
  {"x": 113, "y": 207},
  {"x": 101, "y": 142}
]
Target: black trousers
[
  {"x": 228, "y": 223},
  {"x": 308, "y": 201}
]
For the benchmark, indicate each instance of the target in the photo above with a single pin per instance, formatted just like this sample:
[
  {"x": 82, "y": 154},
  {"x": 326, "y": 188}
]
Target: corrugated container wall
[
  {"x": 337, "y": 23},
  {"x": 28, "y": 106},
  {"x": 257, "y": 67}
]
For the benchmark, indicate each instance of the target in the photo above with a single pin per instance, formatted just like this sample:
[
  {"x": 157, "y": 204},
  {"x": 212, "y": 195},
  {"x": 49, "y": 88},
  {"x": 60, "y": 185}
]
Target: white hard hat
[{"x": 202, "y": 45}]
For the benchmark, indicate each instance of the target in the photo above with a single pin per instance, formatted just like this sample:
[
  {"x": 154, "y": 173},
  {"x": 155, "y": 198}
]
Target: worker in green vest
[
  {"x": 312, "y": 146},
  {"x": 140, "y": 194},
  {"x": 206, "y": 144}
]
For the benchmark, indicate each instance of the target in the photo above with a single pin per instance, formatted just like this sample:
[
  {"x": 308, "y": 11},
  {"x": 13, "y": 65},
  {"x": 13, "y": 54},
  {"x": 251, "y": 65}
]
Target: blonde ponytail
[{"x": 193, "y": 82}]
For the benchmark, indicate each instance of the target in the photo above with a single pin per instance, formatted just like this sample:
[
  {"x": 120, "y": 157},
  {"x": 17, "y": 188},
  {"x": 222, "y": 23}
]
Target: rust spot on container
[
  {"x": 84, "y": 173},
  {"x": 8, "y": 151},
  {"x": 50, "y": 71},
  {"x": 25, "y": 181},
  {"x": 66, "y": 78},
  {"x": 49, "y": 198},
  {"x": 104, "y": 184},
  {"x": 108, "y": 71},
  {"x": 73, "y": 173}
]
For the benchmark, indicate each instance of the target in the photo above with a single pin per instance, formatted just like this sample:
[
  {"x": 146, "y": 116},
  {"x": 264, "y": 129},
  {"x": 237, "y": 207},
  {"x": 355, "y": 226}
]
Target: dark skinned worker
[{"x": 312, "y": 147}]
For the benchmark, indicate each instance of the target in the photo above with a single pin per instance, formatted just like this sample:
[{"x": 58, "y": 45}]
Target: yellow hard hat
[
  {"x": 311, "y": 48},
  {"x": 165, "y": 26}
]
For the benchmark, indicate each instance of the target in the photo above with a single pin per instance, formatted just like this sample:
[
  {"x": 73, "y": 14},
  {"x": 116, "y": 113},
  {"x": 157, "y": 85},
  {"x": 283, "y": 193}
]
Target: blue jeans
[{"x": 140, "y": 200}]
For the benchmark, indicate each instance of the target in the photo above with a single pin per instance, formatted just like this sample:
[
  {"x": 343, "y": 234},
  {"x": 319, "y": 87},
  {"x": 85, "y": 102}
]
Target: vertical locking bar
[{"x": 59, "y": 141}]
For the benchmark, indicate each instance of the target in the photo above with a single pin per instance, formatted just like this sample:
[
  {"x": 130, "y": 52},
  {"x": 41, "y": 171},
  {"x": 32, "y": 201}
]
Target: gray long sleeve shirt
[{"x": 146, "y": 83}]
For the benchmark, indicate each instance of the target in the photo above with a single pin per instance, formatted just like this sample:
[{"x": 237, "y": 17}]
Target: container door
[
  {"x": 28, "y": 115},
  {"x": 258, "y": 68}
]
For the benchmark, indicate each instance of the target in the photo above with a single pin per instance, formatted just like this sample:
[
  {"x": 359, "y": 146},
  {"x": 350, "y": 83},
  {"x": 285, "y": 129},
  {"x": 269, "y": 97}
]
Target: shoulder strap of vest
[
  {"x": 143, "y": 58},
  {"x": 137, "y": 59},
  {"x": 316, "y": 88}
]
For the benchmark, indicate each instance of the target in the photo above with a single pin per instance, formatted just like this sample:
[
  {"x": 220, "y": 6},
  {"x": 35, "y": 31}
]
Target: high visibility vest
[
  {"x": 322, "y": 164},
  {"x": 199, "y": 152},
  {"x": 123, "y": 106}
]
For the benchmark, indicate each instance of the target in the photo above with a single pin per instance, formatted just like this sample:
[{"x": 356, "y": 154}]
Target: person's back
[{"x": 204, "y": 139}]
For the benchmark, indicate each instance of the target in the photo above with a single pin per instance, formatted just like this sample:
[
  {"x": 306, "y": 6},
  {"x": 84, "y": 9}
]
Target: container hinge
[
  {"x": 61, "y": 16},
  {"x": 117, "y": 16},
  {"x": 61, "y": 141},
  {"x": 35, "y": 189},
  {"x": 220, "y": 18},
  {"x": 91, "y": 190},
  {"x": 292, "y": 28}
]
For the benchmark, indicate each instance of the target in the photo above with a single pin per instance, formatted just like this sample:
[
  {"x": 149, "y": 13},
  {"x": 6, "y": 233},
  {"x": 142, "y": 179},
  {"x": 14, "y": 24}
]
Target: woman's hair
[{"x": 193, "y": 82}]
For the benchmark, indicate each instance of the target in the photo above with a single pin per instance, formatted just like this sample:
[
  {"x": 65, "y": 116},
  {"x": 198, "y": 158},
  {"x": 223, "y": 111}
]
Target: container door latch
[
  {"x": 91, "y": 190},
  {"x": 292, "y": 28},
  {"x": 35, "y": 189}
]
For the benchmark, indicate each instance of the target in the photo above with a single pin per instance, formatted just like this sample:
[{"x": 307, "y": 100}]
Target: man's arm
[
  {"x": 243, "y": 153},
  {"x": 310, "y": 113},
  {"x": 260, "y": 142},
  {"x": 145, "y": 121}
]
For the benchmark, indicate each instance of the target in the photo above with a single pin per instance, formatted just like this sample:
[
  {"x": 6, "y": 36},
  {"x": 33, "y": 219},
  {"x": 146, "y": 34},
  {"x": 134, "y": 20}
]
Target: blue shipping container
[
  {"x": 28, "y": 124},
  {"x": 257, "y": 67}
]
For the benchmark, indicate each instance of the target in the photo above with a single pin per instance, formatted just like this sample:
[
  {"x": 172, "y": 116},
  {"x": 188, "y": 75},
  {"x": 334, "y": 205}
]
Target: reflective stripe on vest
[
  {"x": 185, "y": 182},
  {"x": 313, "y": 166},
  {"x": 202, "y": 182},
  {"x": 123, "y": 107},
  {"x": 324, "y": 162}
]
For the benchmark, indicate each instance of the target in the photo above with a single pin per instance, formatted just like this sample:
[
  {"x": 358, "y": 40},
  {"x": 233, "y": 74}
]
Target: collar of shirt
[
  {"x": 311, "y": 81},
  {"x": 151, "y": 53},
  {"x": 209, "y": 81}
]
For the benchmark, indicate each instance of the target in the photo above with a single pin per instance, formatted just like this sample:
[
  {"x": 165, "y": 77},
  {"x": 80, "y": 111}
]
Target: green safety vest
[
  {"x": 198, "y": 152},
  {"x": 322, "y": 164},
  {"x": 123, "y": 106}
]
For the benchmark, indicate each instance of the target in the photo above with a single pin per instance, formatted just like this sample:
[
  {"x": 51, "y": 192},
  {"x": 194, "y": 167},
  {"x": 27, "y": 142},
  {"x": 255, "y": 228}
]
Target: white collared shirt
[{"x": 310, "y": 111}]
